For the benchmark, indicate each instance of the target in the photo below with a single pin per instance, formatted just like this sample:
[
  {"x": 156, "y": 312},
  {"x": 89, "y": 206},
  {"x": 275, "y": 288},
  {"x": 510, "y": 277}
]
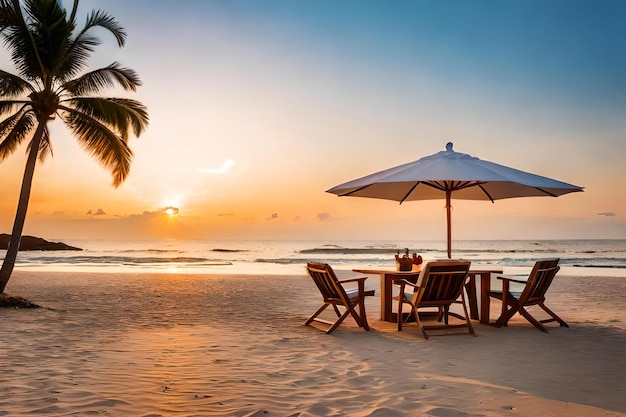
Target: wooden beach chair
[
  {"x": 533, "y": 293},
  {"x": 335, "y": 295},
  {"x": 440, "y": 284}
]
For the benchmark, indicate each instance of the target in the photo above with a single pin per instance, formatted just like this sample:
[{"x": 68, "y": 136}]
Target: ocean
[{"x": 578, "y": 257}]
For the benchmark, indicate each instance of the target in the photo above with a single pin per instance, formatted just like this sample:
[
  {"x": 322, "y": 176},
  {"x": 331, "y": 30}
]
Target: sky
[{"x": 257, "y": 107}]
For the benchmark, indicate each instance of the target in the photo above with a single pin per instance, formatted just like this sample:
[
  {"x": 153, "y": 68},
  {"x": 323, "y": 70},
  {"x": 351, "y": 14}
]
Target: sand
[{"x": 234, "y": 345}]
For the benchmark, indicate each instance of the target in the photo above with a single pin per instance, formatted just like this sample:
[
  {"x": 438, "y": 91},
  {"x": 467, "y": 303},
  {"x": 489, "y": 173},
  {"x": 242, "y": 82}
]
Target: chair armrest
[
  {"x": 343, "y": 281},
  {"x": 519, "y": 281},
  {"x": 361, "y": 285},
  {"x": 402, "y": 281}
]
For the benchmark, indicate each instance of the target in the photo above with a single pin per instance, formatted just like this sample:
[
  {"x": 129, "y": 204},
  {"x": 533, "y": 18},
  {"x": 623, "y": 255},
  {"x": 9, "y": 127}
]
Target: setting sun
[{"x": 170, "y": 211}]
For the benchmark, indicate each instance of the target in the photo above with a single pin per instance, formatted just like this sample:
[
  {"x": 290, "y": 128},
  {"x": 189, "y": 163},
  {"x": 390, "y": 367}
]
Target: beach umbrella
[{"x": 449, "y": 174}]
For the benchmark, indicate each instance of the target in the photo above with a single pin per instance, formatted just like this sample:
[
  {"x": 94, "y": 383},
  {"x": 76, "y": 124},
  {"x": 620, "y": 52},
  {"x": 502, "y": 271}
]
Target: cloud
[
  {"x": 273, "y": 216},
  {"x": 323, "y": 216},
  {"x": 149, "y": 215},
  {"x": 224, "y": 169},
  {"x": 145, "y": 215},
  {"x": 607, "y": 214}
]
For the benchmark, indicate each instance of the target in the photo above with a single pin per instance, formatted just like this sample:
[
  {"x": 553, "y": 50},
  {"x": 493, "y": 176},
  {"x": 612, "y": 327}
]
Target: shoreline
[
  {"x": 235, "y": 345},
  {"x": 262, "y": 268}
]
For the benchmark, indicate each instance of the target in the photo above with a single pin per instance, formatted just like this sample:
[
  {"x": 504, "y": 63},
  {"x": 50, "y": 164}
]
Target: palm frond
[
  {"x": 80, "y": 48},
  {"x": 99, "y": 18},
  {"x": 8, "y": 106},
  {"x": 119, "y": 114},
  {"x": 10, "y": 14},
  {"x": 7, "y": 124},
  {"x": 13, "y": 130},
  {"x": 50, "y": 32},
  {"x": 18, "y": 39},
  {"x": 12, "y": 85},
  {"x": 72, "y": 17},
  {"x": 7, "y": 13},
  {"x": 94, "y": 81},
  {"x": 78, "y": 53},
  {"x": 103, "y": 144}
]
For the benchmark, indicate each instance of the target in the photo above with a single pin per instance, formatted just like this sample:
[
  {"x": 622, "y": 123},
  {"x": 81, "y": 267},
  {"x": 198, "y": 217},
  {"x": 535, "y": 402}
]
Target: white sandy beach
[{"x": 227, "y": 345}]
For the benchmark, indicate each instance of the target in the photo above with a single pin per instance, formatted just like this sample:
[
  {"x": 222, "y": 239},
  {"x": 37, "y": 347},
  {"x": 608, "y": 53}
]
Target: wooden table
[
  {"x": 387, "y": 276},
  {"x": 485, "y": 286}
]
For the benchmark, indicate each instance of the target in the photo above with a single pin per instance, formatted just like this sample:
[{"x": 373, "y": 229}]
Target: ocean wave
[
  {"x": 334, "y": 261},
  {"x": 358, "y": 251},
  {"x": 386, "y": 250},
  {"x": 151, "y": 251},
  {"x": 575, "y": 262},
  {"x": 600, "y": 266},
  {"x": 281, "y": 261},
  {"x": 122, "y": 260}
]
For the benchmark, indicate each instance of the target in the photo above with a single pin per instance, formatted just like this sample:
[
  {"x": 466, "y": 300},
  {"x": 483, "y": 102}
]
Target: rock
[
  {"x": 7, "y": 301},
  {"x": 34, "y": 243}
]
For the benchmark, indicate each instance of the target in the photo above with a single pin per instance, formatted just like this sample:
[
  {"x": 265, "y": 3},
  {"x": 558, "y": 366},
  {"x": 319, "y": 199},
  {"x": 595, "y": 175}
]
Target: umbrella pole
[{"x": 448, "y": 193}]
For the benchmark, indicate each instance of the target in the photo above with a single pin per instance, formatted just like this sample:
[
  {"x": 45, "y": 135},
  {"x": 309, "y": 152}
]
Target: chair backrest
[
  {"x": 441, "y": 282},
  {"x": 326, "y": 281},
  {"x": 539, "y": 280}
]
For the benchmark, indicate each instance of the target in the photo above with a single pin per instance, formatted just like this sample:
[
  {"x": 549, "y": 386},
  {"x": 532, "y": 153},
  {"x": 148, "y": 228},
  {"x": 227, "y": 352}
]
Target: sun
[{"x": 170, "y": 211}]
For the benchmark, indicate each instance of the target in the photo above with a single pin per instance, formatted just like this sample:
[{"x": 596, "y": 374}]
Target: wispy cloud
[
  {"x": 323, "y": 216},
  {"x": 607, "y": 214},
  {"x": 98, "y": 212},
  {"x": 223, "y": 169}
]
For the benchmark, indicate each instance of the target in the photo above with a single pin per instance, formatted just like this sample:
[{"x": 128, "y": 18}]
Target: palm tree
[{"x": 50, "y": 53}]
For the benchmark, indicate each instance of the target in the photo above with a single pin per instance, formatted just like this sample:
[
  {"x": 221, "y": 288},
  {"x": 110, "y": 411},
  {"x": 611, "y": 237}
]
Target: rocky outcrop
[
  {"x": 34, "y": 243},
  {"x": 7, "y": 301}
]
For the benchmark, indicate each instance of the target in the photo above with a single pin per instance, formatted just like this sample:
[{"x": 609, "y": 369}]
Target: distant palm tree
[{"x": 49, "y": 52}]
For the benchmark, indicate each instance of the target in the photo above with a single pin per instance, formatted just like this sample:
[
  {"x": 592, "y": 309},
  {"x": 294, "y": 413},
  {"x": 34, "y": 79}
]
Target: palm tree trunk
[{"x": 22, "y": 208}]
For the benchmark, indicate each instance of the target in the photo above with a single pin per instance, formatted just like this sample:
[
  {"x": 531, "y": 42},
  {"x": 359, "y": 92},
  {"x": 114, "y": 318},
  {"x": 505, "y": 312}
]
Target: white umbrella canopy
[{"x": 449, "y": 174}]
